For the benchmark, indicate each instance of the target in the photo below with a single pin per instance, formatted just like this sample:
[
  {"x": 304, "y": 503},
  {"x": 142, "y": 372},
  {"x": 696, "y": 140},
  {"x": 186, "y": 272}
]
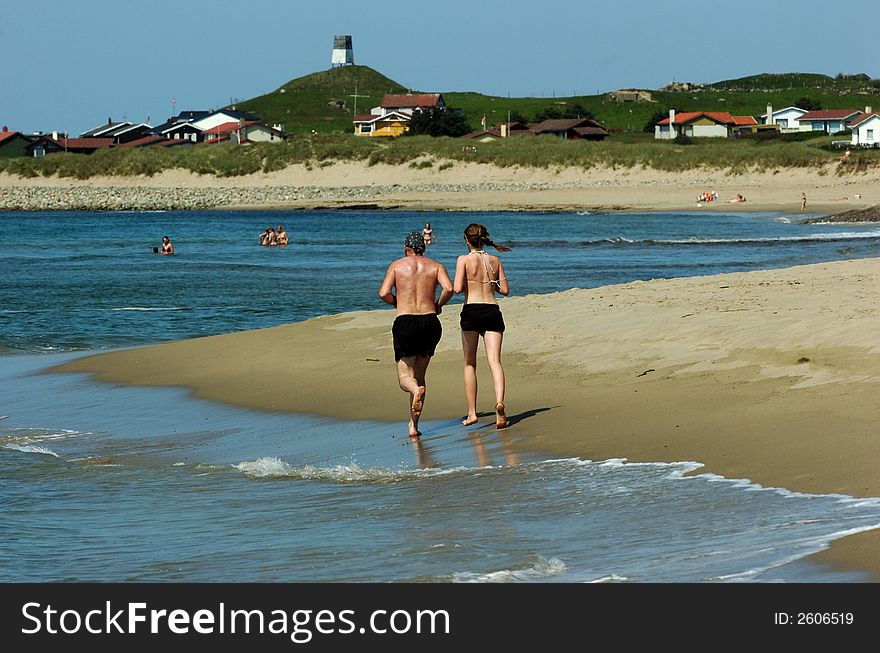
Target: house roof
[
  {"x": 687, "y": 116},
  {"x": 744, "y": 120},
  {"x": 110, "y": 126},
  {"x": 146, "y": 140},
  {"x": 483, "y": 132},
  {"x": 828, "y": 114},
  {"x": 81, "y": 143},
  {"x": 776, "y": 111},
  {"x": 411, "y": 101},
  {"x": 6, "y": 135},
  {"x": 591, "y": 131},
  {"x": 229, "y": 127},
  {"x": 125, "y": 128},
  {"x": 391, "y": 115},
  {"x": 864, "y": 117},
  {"x": 565, "y": 124}
]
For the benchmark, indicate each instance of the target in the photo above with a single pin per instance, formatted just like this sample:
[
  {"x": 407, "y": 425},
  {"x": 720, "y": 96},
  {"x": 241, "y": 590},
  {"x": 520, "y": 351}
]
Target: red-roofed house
[
  {"x": 409, "y": 103},
  {"x": 831, "y": 121},
  {"x": 249, "y": 131},
  {"x": 866, "y": 129},
  {"x": 13, "y": 143},
  {"x": 695, "y": 124}
]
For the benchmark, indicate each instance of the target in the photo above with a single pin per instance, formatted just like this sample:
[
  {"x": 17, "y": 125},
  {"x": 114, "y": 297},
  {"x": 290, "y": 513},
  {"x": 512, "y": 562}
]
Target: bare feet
[
  {"x": 500, "y": 417},
  {"x": 413, "y": 431},
  {"x": 417, "y": 402},
  {"x": 470, "y": 419}
]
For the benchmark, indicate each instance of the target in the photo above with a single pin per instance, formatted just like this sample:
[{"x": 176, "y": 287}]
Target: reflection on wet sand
[{"x": 482, "y": 444}]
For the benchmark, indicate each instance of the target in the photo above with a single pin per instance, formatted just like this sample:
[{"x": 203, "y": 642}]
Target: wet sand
[{"x": 770, "y": 375}]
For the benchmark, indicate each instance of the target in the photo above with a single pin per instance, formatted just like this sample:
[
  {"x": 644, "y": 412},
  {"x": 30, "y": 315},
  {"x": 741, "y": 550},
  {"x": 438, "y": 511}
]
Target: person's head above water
[
  {"x": 477, "y": 236},
  {"x": 415, "y": 242}
]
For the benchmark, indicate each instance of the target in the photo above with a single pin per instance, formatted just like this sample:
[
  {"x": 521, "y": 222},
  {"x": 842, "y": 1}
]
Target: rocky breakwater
[
  {"x": 148, "y": 198},
  {"x": 870, "y": 214}
]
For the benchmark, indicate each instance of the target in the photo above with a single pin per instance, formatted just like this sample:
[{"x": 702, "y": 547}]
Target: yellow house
[{"x": 393, "y": 123}]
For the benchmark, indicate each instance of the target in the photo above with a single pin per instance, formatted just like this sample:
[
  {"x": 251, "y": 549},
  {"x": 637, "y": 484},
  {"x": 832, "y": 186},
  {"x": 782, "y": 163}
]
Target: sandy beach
[
  {"x": 464, "y": 186},
  {"x": 770, "y": 375}
]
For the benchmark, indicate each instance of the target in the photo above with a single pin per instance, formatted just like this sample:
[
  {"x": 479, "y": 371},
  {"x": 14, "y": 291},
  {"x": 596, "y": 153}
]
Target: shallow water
[{"x": 109, "y": 483}]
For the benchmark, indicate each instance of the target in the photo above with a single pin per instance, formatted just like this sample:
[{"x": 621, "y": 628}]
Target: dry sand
[
  {"x": 770, "y": 375},
  {"x": 566, "y": 189}
]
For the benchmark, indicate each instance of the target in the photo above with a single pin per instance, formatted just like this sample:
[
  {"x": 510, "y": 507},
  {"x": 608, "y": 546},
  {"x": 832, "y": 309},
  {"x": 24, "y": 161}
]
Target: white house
[
  {"x": 222, "y": 117},
  {"x": 866, "y": 130},
  {"x": 788, "y": 119},
  {"x": 695, "y": 124},
  {"x": 251, "y": 131}
]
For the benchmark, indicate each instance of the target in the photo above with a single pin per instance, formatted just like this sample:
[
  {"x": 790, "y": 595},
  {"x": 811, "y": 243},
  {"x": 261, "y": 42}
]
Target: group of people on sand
[
  {"x": 271, "y": 238},
  {"x": 410, "y": 285},
  {"x": 707, "y": 197}
]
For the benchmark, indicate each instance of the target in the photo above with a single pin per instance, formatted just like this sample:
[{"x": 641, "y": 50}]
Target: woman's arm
[
  {"x": 460, "y": 283},
  {"x": 502, "y": 286}
]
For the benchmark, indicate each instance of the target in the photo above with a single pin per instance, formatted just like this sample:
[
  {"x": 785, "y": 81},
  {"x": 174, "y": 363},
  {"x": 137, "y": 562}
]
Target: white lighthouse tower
[{"x": 343, "y": 55}]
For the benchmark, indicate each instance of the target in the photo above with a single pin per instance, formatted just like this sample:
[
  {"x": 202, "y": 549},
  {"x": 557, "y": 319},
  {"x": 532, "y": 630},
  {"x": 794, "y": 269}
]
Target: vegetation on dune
[{"x": 622, "y": 151}]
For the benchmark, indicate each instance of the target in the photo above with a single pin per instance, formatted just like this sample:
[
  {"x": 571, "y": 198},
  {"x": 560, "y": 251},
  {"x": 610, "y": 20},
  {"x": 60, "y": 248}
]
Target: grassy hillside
[{"x": 322, "y": 101}]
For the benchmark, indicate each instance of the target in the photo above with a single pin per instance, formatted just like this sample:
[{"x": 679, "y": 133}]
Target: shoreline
[
  {"x": 356, "y": 185},
  {"x": 780, "y": 362}
]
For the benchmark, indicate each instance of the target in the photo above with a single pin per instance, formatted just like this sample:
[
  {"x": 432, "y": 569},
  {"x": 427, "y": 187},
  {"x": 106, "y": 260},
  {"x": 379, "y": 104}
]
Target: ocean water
[{"x": 108, "y": 483}]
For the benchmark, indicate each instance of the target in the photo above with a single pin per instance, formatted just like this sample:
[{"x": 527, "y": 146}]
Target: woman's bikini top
[{"x": 494, "y": 282}]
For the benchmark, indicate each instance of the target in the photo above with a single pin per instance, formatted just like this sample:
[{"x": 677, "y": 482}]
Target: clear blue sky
[{"x": 71, "y": 64}]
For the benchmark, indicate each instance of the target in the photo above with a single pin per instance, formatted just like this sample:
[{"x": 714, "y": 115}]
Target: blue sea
[{"x": 100, "y": 482}]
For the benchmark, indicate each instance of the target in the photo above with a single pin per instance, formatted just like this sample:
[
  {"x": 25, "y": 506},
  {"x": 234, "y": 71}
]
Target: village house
[
  {"x": 831, "y": 121},
  {"x": 572, "y": 129},
  {"x": 391, "y": 124},
  {"x": 866, "y": 129},
  {"x": 250, "y": 131},
  {"x": 787, "y": 119},
  {"x": 221, "y": 117},
  {"x": 154, "y": 140},
  {"x": 13, "y": 143},
  {"x": 120, "y": 132},
  {"x": 409, "y": 103},
  {"x": 695, "y": 124},
  {"x": 500, "y": 131},
  {"x": 181, "y": 126},
  {"x": 393, "y": 114},
  {"x": 47, "y": 144},
  {"x": 703, "y": 124}
]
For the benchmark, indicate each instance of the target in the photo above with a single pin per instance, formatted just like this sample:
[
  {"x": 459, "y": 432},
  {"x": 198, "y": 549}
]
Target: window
[
  {"x": 782, "y": 122},
  {"x": 869, "y": 135},
  {"x": 366, "y": 129}
]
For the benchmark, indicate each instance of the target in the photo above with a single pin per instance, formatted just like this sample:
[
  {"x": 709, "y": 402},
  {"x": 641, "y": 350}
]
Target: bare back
[
  {"x": 415, "y": 280},
  {"x": 480, "y": 276}
]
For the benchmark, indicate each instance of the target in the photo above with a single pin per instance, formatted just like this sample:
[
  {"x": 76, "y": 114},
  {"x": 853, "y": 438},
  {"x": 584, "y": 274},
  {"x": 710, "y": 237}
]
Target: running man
[{"x": 410, "y": 285}]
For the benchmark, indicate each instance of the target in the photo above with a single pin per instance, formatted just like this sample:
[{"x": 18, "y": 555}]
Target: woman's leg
[
  {"x": 493, "y": 341},
  {"x": 469, "y": 342}
]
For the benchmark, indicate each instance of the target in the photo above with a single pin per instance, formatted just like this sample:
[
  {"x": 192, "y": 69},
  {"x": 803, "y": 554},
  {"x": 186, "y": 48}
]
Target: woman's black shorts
[{"x": 481, "y": 318}]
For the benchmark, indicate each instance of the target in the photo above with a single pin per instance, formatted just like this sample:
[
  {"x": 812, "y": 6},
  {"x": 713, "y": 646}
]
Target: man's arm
[
  {"x": 446, "y": 291},
  {"x": 386, "y": 293}
]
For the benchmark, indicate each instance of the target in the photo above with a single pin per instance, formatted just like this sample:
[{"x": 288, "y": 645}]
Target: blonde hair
[{"x": 478, "y": 237}]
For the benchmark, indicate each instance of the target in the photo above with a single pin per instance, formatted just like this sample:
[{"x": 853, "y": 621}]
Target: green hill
[{"x": 323, "y": 101}]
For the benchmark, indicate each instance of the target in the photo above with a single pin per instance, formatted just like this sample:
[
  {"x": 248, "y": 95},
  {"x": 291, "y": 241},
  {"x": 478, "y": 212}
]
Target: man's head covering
[{"x": 415, "y": 242}]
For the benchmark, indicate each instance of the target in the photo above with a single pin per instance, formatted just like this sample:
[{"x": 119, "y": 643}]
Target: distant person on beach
[
  {"x": 281, "y": 237},
  {"x": 803, "y": 201},
  {"x": 268, "y": 238},
  {"x": 428, "y": 234},
  {"x": 410, "y": 285},
  {"x": 479, "y": 275},
  {"x": 167, "y": 248},
  {"x": 738, "y": 198}
]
